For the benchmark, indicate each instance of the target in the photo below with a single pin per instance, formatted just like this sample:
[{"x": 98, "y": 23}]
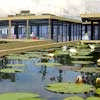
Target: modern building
[
  {"x": 91, "y": 25},
  {"x": 47, "y": 26}
]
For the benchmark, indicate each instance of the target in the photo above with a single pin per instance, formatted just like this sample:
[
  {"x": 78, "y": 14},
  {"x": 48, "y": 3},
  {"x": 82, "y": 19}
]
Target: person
[
  {"x": 32, "y": 35},
  {"x": 85, "y": 37}
]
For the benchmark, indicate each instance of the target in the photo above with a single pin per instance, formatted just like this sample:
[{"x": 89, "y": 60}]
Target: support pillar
[
  {"x": 66, "y": 31},
  {"x": 50, "y": 29},
  {"x": 92, "y": 31},
  {"x": 86, "y": 28},
  {"x": 62, "y": 31},
  {"x": 9, "y": 30},
  {"x": 38, "y": 31},
  {"x": 76, "y": 32},
  {"x": 58, "y": 31},
  {"x": 69, "y": 31},
  {"x": 73, "y": 32},
  {"x": 81, "y": 31},
  {"x": 16, "y": 31},
  {"x": 27, "y": 29},
  {"x": 99, "y": 31}
]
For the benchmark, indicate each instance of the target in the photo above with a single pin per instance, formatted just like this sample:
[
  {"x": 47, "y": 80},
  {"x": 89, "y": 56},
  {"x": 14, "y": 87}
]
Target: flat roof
[
  {"x": 24, "y": 17},
  {"x": 90, "y": 15}
]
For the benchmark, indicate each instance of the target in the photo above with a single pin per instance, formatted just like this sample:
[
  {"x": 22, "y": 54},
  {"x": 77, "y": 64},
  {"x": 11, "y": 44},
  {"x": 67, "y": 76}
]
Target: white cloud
[{"x": 59, "y": 7}]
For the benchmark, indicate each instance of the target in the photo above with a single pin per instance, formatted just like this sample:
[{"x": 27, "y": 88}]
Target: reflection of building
[
  {"x": 46, "y": 26},
  {"x": 6, "y": 76}
]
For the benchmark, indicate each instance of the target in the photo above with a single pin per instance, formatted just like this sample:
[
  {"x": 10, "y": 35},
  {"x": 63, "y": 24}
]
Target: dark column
[
  {"x": 81, "y": 31},
  {"x": 57, "y": 31},
  {"x": 76, "y": 31},
  {"x": 73, "y": 31},
  {"x": 52, "y": 29},
  {"x": 9, "y": 30},
  {"x": 38, "y": 31},
  {"x": 66, "y": 31},
  {"x": 99, "y": 31},
  {"x": 31, "y": 29},
  {"x": 16, "y": 31},
  {"x": 27, "y": 29},
  {"x": 92, "y": 31},
  {"x": 69, "y": 31},
  {"x": 85, "y": 28},
  {"x": 62, "y": 31}
]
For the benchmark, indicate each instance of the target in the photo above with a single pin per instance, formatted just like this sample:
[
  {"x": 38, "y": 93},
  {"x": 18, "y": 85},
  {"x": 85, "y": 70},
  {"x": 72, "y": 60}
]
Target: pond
[{"x": 35, "y": 78}]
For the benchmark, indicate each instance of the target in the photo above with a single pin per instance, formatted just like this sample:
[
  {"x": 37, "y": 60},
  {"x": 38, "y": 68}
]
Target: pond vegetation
[{"x": 52, "y": 73}]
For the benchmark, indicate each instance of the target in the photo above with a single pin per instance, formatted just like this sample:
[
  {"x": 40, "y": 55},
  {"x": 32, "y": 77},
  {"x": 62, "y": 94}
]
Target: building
[
  {"x": 91, "y": 25},
  {"x": 48, "y": 26}
]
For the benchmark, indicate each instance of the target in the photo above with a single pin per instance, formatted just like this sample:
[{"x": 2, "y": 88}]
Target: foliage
[{"x": 69, "y": 88}]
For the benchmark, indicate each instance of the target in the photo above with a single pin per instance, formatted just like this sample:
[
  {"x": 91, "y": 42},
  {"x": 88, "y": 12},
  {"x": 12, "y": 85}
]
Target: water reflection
[
  {"x": 43, "y": 71},
  {"x": 60, "y": 77},
  {"x": 6, "y": 76}
]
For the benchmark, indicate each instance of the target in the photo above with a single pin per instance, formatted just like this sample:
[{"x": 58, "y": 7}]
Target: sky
[{"x": 66, "y": 8}]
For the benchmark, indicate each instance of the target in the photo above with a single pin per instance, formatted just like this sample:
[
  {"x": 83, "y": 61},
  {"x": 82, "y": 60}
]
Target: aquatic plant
[
  {"x": 93, "y": 98},
  {"x": 74, "y": 98},
  {"x": 49, "y": 64},
  {"x": 90, "y": 69},
  {"x": 98, "y": 91},
  {"x": 15, "y": 65},
  {"x": 10, "y": 70},
  {"x": 71, "y": 88},
  {"x": 60, "y": 52},
  {"x": 81, "y": 57},
  {"x": 82, "y": 62},
  {"x": 19, "y": 96}
]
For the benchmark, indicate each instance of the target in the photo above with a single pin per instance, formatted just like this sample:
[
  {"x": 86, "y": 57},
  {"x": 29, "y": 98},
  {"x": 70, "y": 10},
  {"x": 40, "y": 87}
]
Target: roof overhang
[{"x": 90, "y": 17}]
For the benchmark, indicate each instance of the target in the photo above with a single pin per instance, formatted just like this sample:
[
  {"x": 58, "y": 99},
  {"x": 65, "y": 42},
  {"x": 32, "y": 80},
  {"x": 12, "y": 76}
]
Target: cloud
[{"x": 66, "y": 8}]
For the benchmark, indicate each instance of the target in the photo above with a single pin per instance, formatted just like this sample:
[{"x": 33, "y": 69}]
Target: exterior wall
[
  {"x": 59, "y": 30},
  {"x": 96, "y": 31}
]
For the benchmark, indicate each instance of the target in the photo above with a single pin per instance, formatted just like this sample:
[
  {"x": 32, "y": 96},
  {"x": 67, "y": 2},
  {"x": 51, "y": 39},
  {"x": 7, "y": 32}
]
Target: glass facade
[{"x": 59, "y": 30}]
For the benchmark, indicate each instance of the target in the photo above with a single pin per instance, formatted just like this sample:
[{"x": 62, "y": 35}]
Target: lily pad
[
  {"x": 93, "y": 98},
  {"x": 81, "y": 57},
  {"x": 31, "y": 98},
  {"x": 15, "y": 57},
  {"x": 49, "y": 64},
  {"x": 82, "y": 62},
  {"x": 33, "y": 55},
  {"x": 15, "y": 65},
  {"x": 74, "y": 98},
  {"x": 60, "y": 52},
  {"x": 10, "y": 70},
  {"x": 98, "y": 91},
  {"x": 90, "y": 69},
  {"x": 71, "y": 88},
  {"x": 18, "y": 96}
]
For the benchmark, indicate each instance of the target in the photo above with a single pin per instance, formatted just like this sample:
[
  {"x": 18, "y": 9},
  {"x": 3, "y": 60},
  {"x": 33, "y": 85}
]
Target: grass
[{"x": 71, "y": 88}]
